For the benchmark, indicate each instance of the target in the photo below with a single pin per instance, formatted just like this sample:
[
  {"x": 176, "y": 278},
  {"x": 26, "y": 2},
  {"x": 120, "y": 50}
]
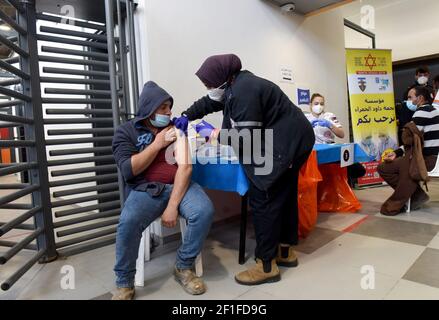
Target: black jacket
[{"x": 255, "y": 103}]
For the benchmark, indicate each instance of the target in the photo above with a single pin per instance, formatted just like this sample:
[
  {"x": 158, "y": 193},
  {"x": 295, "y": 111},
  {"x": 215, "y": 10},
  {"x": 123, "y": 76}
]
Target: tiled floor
[
  {"x": 399, "y": 256},
  {"x": 397, "y": 230}
]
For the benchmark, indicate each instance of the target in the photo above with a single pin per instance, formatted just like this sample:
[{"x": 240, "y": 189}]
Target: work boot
[
  {"x": 419, "y": 199},
  {"x": 286, "y": 257},
  {"x": 262, "y": 272},
  {"x": 123, "y": 294},
  {"x": 189, "y": 281},
  {"x": 392, "y": 208}
]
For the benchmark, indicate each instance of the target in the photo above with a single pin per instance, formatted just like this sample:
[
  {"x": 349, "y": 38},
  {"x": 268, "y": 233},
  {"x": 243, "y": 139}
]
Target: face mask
[
  {"x": 423, "y": 80},
  {"x": 318, "y": 108},
  {"x": 217, "y": 94},
  {"x": 160, "y": 121},
  {"x": 411, "y": 106}
]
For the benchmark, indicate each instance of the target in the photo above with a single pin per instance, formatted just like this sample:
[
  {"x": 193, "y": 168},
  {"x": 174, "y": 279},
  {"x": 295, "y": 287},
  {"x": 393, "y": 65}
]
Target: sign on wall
[
  {"x": 286, "y": 75},
  {"x": 372, "y": 101},
  {"x": 303, "y": 96}
]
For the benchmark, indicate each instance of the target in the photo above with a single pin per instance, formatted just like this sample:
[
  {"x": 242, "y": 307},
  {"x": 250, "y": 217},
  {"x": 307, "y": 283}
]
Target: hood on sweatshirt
[{"x": 151, "y": 98}]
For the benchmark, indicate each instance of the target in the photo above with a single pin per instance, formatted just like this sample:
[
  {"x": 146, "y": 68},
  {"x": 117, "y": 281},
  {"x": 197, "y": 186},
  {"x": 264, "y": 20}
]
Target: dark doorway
[{"x": 404, "y": 73}]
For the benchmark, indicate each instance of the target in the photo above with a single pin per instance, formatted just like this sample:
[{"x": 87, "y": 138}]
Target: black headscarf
[{"x": 218, "y": 69}]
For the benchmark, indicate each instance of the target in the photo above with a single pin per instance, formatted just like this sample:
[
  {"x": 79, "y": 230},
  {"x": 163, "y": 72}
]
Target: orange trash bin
[
  {"x": 309, "y": 177},
  {"x": 334, "y": 192}
]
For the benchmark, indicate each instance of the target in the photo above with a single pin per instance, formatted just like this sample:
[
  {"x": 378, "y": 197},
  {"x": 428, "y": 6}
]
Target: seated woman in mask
[
  {"x": 326, "y": 128},
  {"x": 326, "y": 125}
]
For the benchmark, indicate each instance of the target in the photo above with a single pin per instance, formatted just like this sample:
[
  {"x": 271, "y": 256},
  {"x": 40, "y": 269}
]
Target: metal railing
[
  {"x": 73, "y": 185},
  {"x": 28, "y": 116}
]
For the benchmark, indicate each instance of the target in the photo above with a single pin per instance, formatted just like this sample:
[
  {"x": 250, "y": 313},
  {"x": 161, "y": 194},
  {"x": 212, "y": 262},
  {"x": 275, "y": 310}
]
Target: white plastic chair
[
  {"x": 145, "y": 254},
  {"x": 408, "y": 205},
  {"x": 432, "y": 174}
]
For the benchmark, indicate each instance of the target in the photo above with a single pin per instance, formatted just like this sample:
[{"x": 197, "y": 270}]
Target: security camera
[{"x": 288, "y": 7}]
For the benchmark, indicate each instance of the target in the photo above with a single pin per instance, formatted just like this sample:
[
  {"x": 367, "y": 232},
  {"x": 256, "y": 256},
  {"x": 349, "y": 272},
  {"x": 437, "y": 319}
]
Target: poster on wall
[
  {"x": 286, "y": 75},
  {"x": 372, "y": 102}
]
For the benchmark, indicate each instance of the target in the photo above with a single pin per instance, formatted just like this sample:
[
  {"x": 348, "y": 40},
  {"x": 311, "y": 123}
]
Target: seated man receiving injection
[{"x": 157, "y": 188}]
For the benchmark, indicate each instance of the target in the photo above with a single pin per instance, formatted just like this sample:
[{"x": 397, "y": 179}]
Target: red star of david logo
[{"x": 371, "y": 61}]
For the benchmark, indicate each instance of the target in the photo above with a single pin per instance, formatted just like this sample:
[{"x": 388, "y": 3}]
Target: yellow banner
[{"x": 372, "y": 100}]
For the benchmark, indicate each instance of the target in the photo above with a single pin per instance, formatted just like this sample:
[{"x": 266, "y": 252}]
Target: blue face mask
[
  {"x": 411, "y": 106},
  {"x": 160, "y": 121}
]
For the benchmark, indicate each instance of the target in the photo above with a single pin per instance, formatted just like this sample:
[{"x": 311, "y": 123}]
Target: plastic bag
[
  {"x": 309, "y": 177},
  {"x": 334, "y": 192}
]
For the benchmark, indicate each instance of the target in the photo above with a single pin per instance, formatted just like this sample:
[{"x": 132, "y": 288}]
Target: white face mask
[
  {"x": 423, "y": 80},
  {"x": 318, "y": 108},
  {"x": 217, "y": 94}
]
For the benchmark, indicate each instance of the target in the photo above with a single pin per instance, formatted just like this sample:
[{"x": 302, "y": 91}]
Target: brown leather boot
[
  {"x": 189, "y": 281},
  {"x": 286, "y": 257},
  {"x": 419, "y": 198},
  {"x": 123, "y": 294},
  {"x": 267, "y": 272},
  {"x": 392, "y": 208}
]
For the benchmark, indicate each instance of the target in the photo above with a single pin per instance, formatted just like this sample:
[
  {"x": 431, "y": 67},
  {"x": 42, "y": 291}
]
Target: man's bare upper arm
[{"x": 181, "y": 147}]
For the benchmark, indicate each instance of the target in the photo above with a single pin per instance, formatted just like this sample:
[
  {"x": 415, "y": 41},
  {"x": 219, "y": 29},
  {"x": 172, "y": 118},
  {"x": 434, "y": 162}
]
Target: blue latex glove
[
  {"x": 181, "y": 123},
  {"x": 314, "y": 123},
  {"x": 204, "y": 129},
  {"x": 321, "y": 123}
]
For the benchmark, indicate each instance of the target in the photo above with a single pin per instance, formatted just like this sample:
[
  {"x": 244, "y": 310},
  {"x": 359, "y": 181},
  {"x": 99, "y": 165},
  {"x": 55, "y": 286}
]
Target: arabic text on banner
[{"x": 372, "y": 101}]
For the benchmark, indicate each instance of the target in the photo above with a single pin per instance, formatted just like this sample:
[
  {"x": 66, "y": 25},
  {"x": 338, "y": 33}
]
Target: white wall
[
  {"x": 176, "y": 36},
  {"x": 409, "y": 27},
  {"x": 354, "y": 39}
]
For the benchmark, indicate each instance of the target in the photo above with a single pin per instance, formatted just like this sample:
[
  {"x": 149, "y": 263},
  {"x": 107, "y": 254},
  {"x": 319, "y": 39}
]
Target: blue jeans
[{"x": 141, "y": 209}]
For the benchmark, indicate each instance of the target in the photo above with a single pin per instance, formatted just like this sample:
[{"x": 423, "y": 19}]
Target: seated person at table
[
  {"x": 395, "y": 170},
  {"x": 157, "y": 188},
  {"x": 326, "y": 125},
  {"x": 326, "y": 128}
]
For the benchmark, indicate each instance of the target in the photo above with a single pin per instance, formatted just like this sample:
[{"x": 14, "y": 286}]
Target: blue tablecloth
[
  {"x": 330, "y": 153},
  {"x": 220, "y": 176},
  {"x": 230, "y": 176}
]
